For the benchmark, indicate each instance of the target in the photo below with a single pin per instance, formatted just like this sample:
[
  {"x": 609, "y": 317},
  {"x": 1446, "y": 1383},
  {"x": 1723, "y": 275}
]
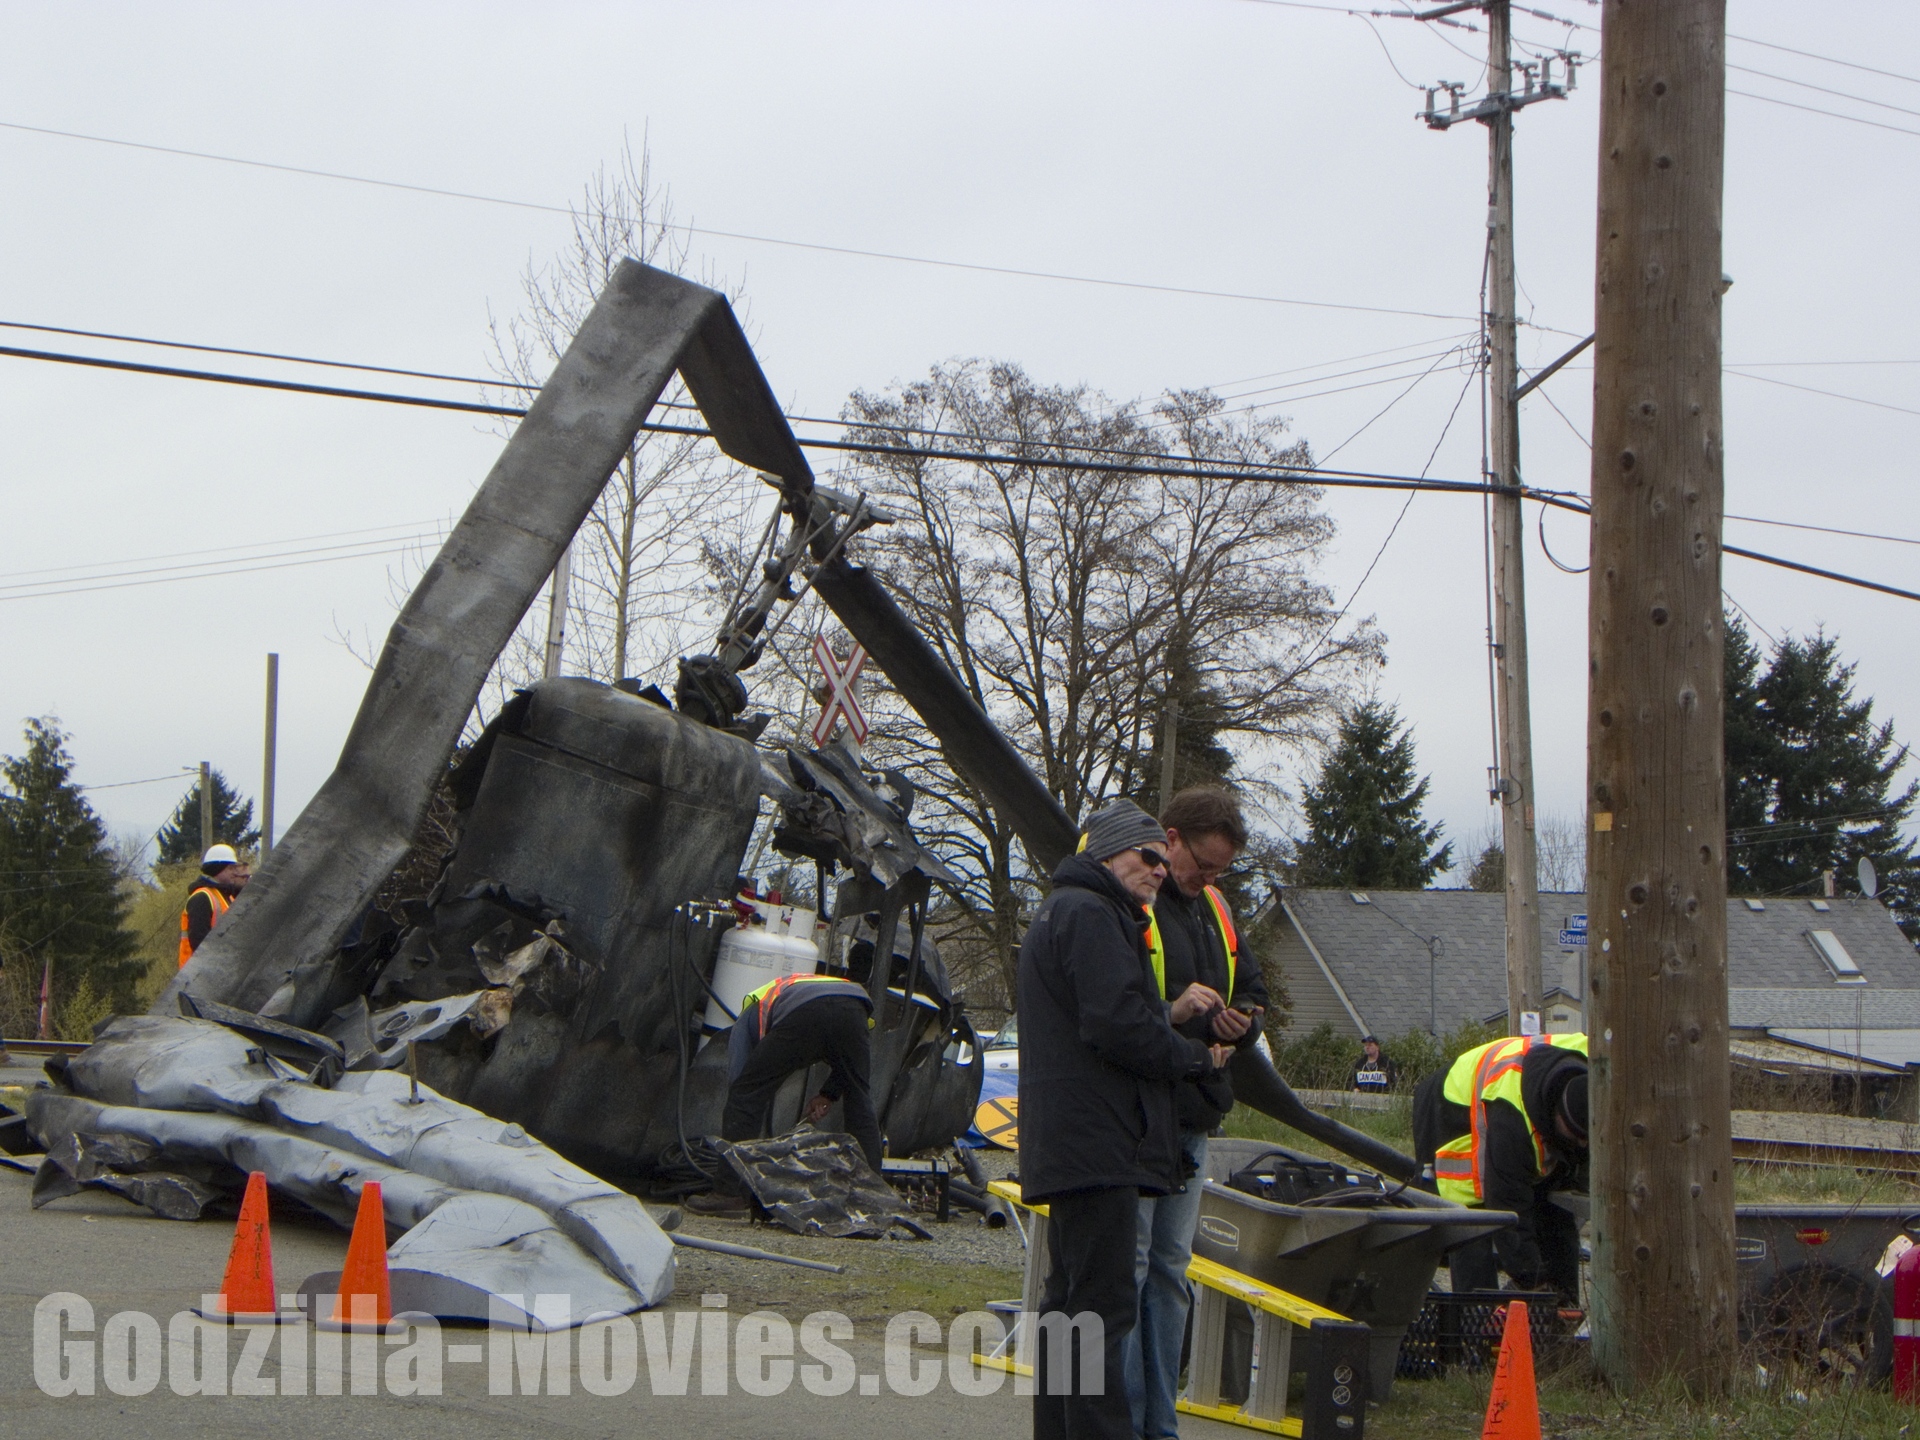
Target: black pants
[
  {"x": 1477, "y": 1264},
  {"x": 833, "y": 1030},
  {"x": 1092, "y": 1234}
]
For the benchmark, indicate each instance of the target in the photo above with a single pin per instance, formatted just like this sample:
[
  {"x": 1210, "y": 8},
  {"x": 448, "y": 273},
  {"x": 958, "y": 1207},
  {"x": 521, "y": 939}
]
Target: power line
[
  {"x": 1828, "y": 59},
  {"x": 1346, "y": 359},
  {"x": 1741, "y": 372},
  {"x": 1269, "y": 473},
  {"x": 1830, "y": 394},
  {"x": 681, "y": 405},
  {"x": 1824, "y": 529},
  {"x": 260, "y": 355},
  {"x": 237, "y": 568},
  {"x": 350, "y": 550},
  {"x": 1824, "y": 90},
  {"x": 1017, "y": 271},
  {"x": 23, "y": 575},
  {"x": 123, "y": 784},
  {"x": 1344, "y": 374},
  {"x": 1830, "y": 114}
]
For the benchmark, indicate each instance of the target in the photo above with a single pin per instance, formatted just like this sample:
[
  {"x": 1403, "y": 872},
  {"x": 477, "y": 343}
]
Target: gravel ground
[{"x": 962, "y": 1267}]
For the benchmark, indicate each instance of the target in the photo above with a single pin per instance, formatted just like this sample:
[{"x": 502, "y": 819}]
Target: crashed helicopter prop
[{"x": 536, "y": 1023}]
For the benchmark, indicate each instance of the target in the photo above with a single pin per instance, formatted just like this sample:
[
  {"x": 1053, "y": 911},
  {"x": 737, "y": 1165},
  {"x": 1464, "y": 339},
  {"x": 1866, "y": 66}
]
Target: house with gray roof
[{"x": 1836, "y": 973}]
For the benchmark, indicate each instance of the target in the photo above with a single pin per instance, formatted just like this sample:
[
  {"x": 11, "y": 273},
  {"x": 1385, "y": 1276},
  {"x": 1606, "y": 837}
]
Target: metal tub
[{"x": 1370, "y": 1264}]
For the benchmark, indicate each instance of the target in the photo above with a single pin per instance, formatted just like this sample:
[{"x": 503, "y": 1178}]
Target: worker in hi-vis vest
[
  {"x": 790, "y": 1024},
  {"x": 223, "y": 875},
  {"x": 1191, "y": 940},
  {"x": 1501, "y": 1128}
]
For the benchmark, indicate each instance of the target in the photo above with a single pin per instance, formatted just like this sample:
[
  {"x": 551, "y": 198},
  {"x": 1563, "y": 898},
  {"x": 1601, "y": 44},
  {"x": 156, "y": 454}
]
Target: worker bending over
[
  {"x": 1501, "y": 1128},
  {"x": 790, "y": 1024}
]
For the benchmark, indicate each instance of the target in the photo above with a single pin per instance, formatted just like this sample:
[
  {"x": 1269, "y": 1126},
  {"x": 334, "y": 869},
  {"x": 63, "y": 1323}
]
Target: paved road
[{"x": 122, "y": 1259}]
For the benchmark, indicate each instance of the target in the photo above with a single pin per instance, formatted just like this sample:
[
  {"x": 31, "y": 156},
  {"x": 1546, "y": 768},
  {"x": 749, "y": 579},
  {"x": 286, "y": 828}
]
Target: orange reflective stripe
[
  {"x": 1498, "y": 1068},
  {"x": 1229, "y": 938},
  {"x": 1223, "y": 917},
  {"x": 768, "y": 993}
]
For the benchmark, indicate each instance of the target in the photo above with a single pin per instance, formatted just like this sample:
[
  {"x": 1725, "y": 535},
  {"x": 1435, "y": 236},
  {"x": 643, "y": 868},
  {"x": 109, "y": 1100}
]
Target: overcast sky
[{"x": 1259, "y": 149}]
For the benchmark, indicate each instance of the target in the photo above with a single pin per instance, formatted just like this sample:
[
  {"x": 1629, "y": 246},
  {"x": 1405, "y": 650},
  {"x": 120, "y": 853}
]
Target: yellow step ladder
[{"x": 1275, "y": 1314}]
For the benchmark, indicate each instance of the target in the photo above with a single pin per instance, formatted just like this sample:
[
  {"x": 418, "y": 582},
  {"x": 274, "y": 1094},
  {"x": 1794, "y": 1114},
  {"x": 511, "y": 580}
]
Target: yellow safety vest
[
  {"x": 1223, "y": 917},
  {"x": 1489, "y": 1072},
  {"x": 768, "y": 993},
  {"x": 219, "y": 899}
]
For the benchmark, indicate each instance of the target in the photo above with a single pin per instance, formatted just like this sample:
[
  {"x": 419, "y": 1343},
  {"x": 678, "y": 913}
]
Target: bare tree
[
  {"x": 639, "y": 593},
  {"x": 1560, "y": 854},
  {"x": 1061, "y": 587}
]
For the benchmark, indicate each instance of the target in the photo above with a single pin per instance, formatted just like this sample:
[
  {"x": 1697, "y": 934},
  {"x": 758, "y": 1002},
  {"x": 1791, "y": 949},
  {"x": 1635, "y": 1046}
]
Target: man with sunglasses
[
  {"x": 1193, "y": 946},
  {"x": 1100, "y": 1062}
]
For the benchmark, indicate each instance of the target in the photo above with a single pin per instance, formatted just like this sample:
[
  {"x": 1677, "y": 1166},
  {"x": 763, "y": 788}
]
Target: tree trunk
[{"x": 1663, "y": 1270}]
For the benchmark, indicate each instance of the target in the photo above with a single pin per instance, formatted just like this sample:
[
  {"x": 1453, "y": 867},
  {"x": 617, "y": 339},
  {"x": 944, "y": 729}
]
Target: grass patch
[
  {"x": 1754, "y": 1182},
  {"x": 1575, "y": 1405},
  {"x": 1394, "y": 1125}
]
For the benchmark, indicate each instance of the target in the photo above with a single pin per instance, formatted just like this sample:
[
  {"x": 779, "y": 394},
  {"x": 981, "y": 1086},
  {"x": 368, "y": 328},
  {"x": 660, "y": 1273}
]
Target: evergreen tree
[
  {"x": 1489, "y": 872},
  {"x": 232, "y": 822},
  {"x": 1365, "y": 829},
  {"x": 62, "y": 899},
  {"x": 1748, "y": 741},
  {"x": 1811, "y": 777}
]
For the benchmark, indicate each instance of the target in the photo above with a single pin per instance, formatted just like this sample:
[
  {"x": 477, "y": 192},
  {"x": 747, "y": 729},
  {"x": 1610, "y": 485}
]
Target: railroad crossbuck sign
[{"x": 837, "y": 701}]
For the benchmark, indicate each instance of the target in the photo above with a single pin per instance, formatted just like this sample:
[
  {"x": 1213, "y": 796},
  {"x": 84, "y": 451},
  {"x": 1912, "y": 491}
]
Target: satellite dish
[{"x": 1869, "y": 881}]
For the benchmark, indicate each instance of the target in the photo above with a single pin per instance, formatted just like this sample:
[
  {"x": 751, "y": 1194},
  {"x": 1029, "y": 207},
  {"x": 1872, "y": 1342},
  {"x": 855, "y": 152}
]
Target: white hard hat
[{"x": 220, "y": 855}]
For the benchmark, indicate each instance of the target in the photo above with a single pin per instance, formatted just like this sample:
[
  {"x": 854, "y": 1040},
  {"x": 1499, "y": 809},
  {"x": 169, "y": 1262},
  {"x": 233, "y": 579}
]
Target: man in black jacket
[
  {"x": 1099, "y": 1064},
  {"x": 1191, "y": 941}
]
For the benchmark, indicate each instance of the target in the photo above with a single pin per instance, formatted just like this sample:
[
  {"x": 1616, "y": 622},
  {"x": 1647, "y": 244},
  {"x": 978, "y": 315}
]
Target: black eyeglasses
[{"x": 1155, "y": 860}]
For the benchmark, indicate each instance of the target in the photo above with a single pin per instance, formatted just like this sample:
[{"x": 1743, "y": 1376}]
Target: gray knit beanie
[{"x": 1120, "y": 825}]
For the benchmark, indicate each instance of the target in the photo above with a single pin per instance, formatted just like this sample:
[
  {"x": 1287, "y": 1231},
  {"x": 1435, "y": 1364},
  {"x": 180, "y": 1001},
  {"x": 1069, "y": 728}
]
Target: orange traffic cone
[
  {"x": 365, "y": 1301},
  {"x": 1513, "y": 1410},
  {"x": 246, "y": 1294}
]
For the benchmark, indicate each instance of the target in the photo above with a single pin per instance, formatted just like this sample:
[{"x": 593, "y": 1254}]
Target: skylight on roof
[
  {"x": 1359, "y": 897},
  {"x": 1756, "y": 906},
  {"x": 1845, "y": 970}
]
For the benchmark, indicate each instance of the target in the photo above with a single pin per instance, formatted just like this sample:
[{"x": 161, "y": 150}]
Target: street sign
[
  {"x": 839, "y": 702},
  {"x": 1575, "y": 932},
  {"x": 998, "y": 1121}
]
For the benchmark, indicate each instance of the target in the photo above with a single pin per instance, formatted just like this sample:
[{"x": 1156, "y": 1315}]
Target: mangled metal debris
[
  {"x": 162, "y": 1109},
  {"x": 817, "y": 1183}
]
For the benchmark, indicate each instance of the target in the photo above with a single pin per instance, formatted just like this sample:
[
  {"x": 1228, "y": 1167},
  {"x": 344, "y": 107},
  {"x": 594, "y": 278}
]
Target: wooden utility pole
[
  {"x": 1515, "y": 783},
  {"x": 270, "y": 754},
  {"x": 1513, "y": 728},
  {"x": 557, "y": 615},
  {"x": 206, "y": 805},
  {"x": 1663, "y": 1267}
]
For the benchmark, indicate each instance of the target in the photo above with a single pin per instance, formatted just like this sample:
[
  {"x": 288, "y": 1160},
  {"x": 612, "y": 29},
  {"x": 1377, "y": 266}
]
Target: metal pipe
[
  {"x": 991, "y": 1206},
  {"x": 747, "y": 1252},
  {"x": 1257, "y": 1083}
]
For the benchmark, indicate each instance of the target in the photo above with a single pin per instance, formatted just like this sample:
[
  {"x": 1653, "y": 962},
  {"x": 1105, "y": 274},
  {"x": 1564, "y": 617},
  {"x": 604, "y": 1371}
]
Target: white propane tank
[{"x": 750, "y": 956}]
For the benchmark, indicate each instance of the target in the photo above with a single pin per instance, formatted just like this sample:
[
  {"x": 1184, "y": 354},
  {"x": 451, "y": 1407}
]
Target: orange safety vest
[
  {"x": 1223, "y": 917},
  {"x": 220, "y": 903},
  {"x": 1490, "y": 1072},
  {"x": 768, "y": 993}
]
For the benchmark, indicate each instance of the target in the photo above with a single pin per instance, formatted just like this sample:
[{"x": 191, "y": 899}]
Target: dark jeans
[
  {"x": 1477, "y": 1264},
  {"x": 833, "y": 1030},
  {"x": 1093, "y": 1235}
]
